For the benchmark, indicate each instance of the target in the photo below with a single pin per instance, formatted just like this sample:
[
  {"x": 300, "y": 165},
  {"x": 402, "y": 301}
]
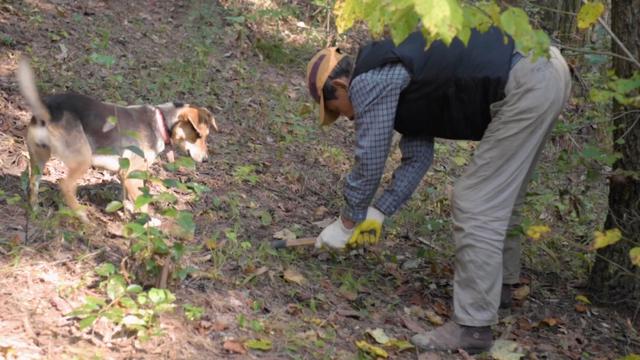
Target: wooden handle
[{"x": 280, "y": 244}]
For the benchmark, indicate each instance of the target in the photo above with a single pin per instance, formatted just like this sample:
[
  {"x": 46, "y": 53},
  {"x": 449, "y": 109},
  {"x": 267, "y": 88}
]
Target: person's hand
[
  {"x": 334, "y": 236},
  {"x": 368, "y": 232}
]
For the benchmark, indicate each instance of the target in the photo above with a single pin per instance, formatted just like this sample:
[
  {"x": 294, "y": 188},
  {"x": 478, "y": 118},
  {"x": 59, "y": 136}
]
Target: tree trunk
[{"x": 613, "y": 278}]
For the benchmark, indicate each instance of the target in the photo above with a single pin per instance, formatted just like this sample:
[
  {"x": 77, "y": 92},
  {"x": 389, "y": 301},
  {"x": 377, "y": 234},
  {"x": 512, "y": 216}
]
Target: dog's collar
[{"x": 162, "y": 126}]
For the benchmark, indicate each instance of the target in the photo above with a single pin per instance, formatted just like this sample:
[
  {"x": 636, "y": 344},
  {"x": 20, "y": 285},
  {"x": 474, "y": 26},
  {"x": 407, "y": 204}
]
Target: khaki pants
[{"x": 486, "y": 199}]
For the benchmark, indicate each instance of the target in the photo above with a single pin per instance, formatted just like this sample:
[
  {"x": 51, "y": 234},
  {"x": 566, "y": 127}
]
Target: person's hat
[{"x": 318, "y": 70}]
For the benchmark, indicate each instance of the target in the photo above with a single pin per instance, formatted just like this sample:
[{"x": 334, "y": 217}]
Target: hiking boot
[
  {"x": 451, "y": 337},
  {"x": 506, "y": 299}
]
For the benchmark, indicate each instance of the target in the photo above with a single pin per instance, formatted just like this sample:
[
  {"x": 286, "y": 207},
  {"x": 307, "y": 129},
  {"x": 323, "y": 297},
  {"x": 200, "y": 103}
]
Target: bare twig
[
  {"x": 595, "y": 52},
  {"x": 629, "y": 129}
]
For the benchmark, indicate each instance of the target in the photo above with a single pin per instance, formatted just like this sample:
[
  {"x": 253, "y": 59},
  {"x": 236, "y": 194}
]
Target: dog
[{"x": 84, "y": 132}]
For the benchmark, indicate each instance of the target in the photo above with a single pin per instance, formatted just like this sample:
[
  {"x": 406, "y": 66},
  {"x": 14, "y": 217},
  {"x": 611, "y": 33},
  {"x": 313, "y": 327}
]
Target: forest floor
[{"x": 271, "y": 169}]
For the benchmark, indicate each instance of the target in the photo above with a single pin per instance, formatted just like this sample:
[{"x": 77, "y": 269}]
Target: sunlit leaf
[
  {"x": 589, "y": 14},
  {"x": 378, "y": 335},
  {"x": 535, "y": 232},
  {"x": 86, "y": 322},
  {"x": 634, "y": 254},
  {"x": 604, "y": 239},
  {"x": 583, "y": 299}
]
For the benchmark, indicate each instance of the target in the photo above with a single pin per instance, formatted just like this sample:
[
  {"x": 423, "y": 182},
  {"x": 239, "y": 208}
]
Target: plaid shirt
[{"x": 374, "y": 96}]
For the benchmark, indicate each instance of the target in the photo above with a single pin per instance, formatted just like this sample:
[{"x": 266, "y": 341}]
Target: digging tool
[{"x": 281, "y": 244}]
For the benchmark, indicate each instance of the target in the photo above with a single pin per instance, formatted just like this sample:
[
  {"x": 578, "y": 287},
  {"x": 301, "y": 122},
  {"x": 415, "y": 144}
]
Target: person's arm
[
  {"x": 374, "y": 96},
  {"x": 417, "y": 156}
]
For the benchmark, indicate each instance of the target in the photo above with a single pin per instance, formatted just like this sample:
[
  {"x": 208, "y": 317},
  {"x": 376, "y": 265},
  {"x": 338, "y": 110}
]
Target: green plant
[
  {"x": 246, "y": 173},
  {"x": 126, "y": 305}
]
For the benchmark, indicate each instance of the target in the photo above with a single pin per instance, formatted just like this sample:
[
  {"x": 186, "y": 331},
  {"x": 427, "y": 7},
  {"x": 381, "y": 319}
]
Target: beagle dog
[{"x": 84, "y": 132}]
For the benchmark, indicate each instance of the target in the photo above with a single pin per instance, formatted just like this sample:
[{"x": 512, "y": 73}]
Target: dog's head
[{"x": 191, "y": 129}]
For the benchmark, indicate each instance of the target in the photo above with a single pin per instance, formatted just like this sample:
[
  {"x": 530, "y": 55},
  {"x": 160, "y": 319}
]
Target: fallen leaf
[
  {"x": 401, "y": 345},
  {"x": 320, "y": 213},
  {"x": 310, "y": 335},
  {"x": 292, "y": 275},
  {"x": 219, "y": 326},
  {"x": 551, "y": 321},
  {"x": 535, "y": 232},
  {"x": 412, "y": 325},
  {"x": 350, "y": 295},
  {"x": 506, "y": 350},
  {"x": 258, "y": 344},
  {"x": 433, "y": 318},
  {"x": 441, "y": 309},
  {"x": 234, "y": 346},
  {"x": 378, "y": 335},
  {"x": 521, "y": 293},
  {"x": 284, "y": 234},
  {"x": 371, "y": 349}
]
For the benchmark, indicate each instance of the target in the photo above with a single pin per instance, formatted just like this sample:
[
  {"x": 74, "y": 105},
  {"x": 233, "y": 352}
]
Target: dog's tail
[{"x": 27, "y": 83}]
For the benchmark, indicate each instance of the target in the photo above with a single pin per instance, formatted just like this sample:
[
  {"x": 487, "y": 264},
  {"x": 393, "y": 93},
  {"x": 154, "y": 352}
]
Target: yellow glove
[{"x": 368, "y": 232}]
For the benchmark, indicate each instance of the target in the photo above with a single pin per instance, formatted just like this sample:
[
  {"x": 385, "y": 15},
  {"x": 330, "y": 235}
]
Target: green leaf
[
  {"x": 112, "y": 120},
  {"x": 106, "y": 60},
  {"x": 106, "y": 151},
  {"x": 136, "y": 150},
  {"x": 88, "y": 321},
  {"x": 124, "y": 163},
  {"x": 142, "y": 200},
  {"x": 185, "y": 221},
  {"x": 114, "y": 315},
  {"x": 94, "y": 301},
  {"x": 138, "y": 174},
  {"x": 258, "y": 344},
  {"x": 193, "y": 312},
  {"x": 134, "y": 288},
  {"x": 186, "y": 162},
  {"x": 441, "y": 18},
  {"x": 116, "y": 286},
  {"x": 133, "y": 229},
  {"x": 265, "y": 218},
  {"x": 133, "y": 321},
  {"x": 166, "y": 197},
  {"x": 161, "y": 296},
  {"x": 113, "y": 206},
  {"x": 128, "y": 303},
  {"x": 589, "y": 14},
  {"x": 105, "y": 269}
]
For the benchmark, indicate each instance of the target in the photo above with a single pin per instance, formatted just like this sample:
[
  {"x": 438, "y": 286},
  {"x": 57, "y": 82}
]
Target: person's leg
[{"x": 485, "y": 195}]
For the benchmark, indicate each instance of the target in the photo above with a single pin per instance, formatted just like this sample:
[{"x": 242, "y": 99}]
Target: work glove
[
  {"x": 334, "y": 236},
  {"x": 368, "y": 231}
]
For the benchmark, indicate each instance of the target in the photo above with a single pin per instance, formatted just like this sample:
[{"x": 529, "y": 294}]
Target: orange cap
[{"x": 318, "y": 70}]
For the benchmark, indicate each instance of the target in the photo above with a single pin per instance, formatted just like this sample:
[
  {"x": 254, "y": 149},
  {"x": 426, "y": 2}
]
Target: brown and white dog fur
[{"x": 75, "y": 127}]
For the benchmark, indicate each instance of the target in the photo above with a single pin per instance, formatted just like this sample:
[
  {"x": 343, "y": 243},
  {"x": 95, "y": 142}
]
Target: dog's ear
[
  {"x": 192, "y": 115},
  {"x": 207, "y": 117}
]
